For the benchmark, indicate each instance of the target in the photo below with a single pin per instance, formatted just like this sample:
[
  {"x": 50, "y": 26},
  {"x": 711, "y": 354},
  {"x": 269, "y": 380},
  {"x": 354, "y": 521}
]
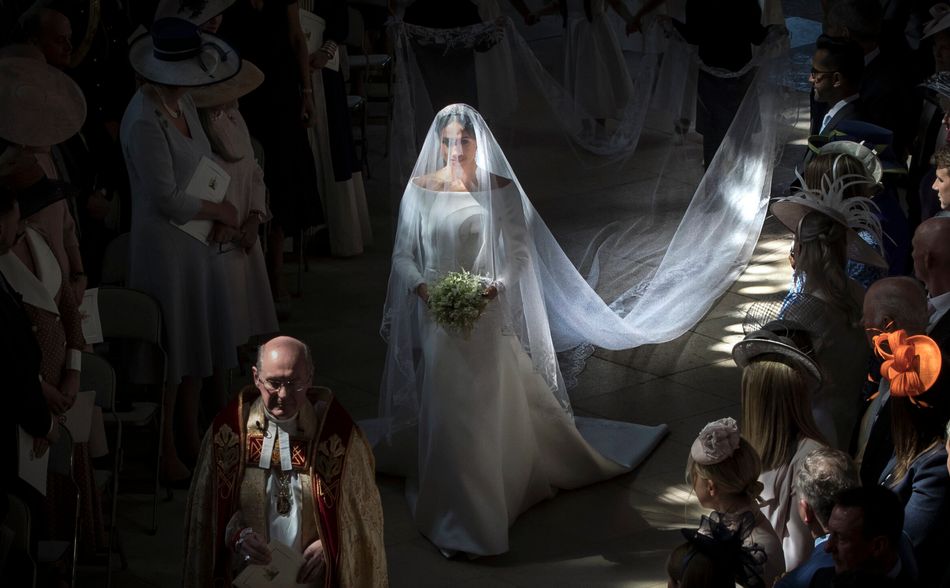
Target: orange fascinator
[{"x": 911, "y": 363}]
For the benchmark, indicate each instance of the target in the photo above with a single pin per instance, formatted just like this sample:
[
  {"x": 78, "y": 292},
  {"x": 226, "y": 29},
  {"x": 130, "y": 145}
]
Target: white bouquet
[{"x": 457, "y": 300}]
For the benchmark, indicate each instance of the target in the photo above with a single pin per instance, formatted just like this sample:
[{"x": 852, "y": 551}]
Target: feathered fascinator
[
  {"x": 911, "y": 363},
  {"x": 726, "y": 539},
  {"x": 855, "y": 213},
  {"x": 716, "y": 442}
]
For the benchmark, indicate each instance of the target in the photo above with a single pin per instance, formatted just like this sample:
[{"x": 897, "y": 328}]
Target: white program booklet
[
  {"x": 209, "y": 182},
  {"x": 89, "y": 310},
  {"x": 79, "y": 417},
  {"x": 31, "y": 468},
  {"x": 313, "y": 27},
  {"x": 281, "y": 572}
]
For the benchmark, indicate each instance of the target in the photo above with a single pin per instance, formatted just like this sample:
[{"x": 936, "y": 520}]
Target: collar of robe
[{"x": 37, "y": 289}]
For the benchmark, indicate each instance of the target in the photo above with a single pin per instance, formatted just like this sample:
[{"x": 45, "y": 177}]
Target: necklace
[{"x": 171, "y": 112}]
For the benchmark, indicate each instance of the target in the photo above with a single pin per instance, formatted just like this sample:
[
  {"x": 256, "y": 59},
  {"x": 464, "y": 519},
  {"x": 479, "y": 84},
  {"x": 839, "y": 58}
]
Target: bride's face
[{"x": 458, "y": 146}]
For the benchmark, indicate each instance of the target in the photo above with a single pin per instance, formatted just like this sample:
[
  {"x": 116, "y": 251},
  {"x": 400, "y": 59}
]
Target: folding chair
[
  {"x": 99, "y": 376},
  {"x": 18, "y": 520},
  {"x": 374, "y": 71},
  {"x": 132, "y": 321},
  {"x": 115, "y": 262},
  {"x": 61, "y": 463}
]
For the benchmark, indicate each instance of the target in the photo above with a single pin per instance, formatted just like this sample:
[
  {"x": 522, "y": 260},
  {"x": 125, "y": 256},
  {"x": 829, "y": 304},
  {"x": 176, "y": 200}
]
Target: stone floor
[{"x": 616, "y": 533}]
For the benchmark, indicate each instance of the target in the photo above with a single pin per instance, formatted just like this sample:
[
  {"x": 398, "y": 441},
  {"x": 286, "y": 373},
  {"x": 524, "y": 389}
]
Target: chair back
[
  {"x": 356, "y": 33},
  {"x": 115, "y": 262},
  {"x": 97, "y": 374},
  {"x": 61, "y": 453}
]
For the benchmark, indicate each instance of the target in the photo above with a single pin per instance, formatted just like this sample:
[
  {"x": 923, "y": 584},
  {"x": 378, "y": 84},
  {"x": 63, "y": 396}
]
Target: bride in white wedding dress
[{"x": 480, "y": 424}]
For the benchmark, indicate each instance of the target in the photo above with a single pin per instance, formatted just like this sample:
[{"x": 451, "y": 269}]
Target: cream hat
[{"x": 39, "y": 105}]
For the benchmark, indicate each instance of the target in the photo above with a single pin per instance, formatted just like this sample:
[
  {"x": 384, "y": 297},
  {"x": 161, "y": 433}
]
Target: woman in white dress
[
  {"x": 482, "y": 418},
  {"x": 778, "y": 379}
]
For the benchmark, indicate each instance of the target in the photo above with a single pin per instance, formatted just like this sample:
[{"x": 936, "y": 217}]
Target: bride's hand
[
  {"x": 491, "y": 292},
  {"x": 422, "y": 290}
]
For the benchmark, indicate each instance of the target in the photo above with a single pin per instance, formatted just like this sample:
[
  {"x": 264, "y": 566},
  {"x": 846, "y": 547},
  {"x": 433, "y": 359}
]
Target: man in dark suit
[
  {"x": 823, "y": 474},
  {"x": 865, "y": 532},
  {"x": 886, "y": 85},
  {"x": 836, "y": 73}
]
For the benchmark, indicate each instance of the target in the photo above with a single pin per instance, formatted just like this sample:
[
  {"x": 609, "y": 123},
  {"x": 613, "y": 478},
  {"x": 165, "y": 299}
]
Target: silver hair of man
[{"x": 823, "y": 474}]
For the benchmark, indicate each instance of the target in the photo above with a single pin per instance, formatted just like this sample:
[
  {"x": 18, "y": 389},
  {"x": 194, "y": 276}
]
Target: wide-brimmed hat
[
  {"x": 779, "y": 340},
  {"x": 878, "y": 139},
  {"x": 792, "y": 209},
  {"x": 195, "y": 11},
  {"x": 245, "y": 82},
  {"x": 941, "y": 20},
  {"x": 177, "y": 53},
  {"x": 39, "y": 105},
  {"x": 938, "y": 83}
]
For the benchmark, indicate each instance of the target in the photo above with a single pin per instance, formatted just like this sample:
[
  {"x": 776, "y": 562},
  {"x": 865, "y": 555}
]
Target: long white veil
[{"x": 645, "y": 242}]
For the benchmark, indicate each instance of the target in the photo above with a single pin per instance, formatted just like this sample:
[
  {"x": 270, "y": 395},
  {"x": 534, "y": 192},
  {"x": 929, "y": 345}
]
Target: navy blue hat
[
  {"x": 878, "y": 139},
  {"x": 177, "y": 53}
]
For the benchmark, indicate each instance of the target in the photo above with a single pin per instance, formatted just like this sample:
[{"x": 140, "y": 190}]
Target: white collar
[
  {"x": 836, "y": 108},
  {"x": 281, "y": 435},
  {"x": 869, "y": 57},
  {"x": 37, "y": 289},
  {"x": 896, "y": 570},
  {"x": 940, "y": 304}
]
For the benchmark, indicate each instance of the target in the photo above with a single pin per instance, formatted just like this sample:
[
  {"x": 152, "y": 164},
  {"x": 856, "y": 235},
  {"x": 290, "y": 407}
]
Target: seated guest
[
  {"x": 932, "y": 266},
  {"x": 822, "y": 475},
  {"x": 829, "y": 304},
  {"x": 723, "y": 469},
  {"x": 864, "y": 533},
  {"x": 284, "y": 463},
  {"x": 890, "y": 303},
  {"x": 778, "y": 379},
  {"x": 917, "y": 472},
  {"x": 836, "y": 73}
]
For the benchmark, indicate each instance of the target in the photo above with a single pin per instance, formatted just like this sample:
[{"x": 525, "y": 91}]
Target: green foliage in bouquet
[{"x": 456, "y": 301}]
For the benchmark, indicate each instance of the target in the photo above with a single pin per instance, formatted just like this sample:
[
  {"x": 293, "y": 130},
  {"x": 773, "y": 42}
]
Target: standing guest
[
  {"x": 714, "y": 556},
  {"x": 941, "y": 184},
  {"x": 331, "y": 137},
  {"x": 723, "y": 469},
  {"x": 163, "y": 143},
  {"x": 917, "y": 472},
  {"x": 836, "y": 73},
  {"x": 724, "y": 31},
  {"x": 932, "y": 267},
  {"x": 50, "y": 31},
  {"x": 886, "y": 81},
  {"x": 285, "y": 463},
  {"x": 241, "y": 261},
  {"x": 26, "y": 80},
  {"x": 890, "y": 303},
  {"x": 829, "y": 305},
  {"x": 268, "y": 33},
  {"x": 778, "y": 379},
  {"x": 864, "y": 533},
  {"x": 822, "y": 475}
]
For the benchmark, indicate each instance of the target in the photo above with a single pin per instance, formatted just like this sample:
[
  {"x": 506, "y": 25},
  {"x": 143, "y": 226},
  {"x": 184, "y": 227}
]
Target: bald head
[
  {"x": 283, "y": 374},
  {"x": 51, "y": 32},
  {"x": 931, "y": 253},
  {"x": 896, "y": 303}
]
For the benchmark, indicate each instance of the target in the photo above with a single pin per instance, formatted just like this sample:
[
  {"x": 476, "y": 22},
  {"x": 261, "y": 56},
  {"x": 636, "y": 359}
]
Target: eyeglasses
[
  {"x": 815, "y": 74},
  {"x": 273, "y": 385}
]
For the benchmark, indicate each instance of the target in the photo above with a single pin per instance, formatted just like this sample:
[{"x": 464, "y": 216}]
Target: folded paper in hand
[
  {"x": 79, "y": 417},
  {"x": 281, "y": 572},
  {"x": 313, "y": 27},
  {"x": 32, "y": 469},
  {"x": 89, "y": 311},
  {"x": 209, "y": 182}
]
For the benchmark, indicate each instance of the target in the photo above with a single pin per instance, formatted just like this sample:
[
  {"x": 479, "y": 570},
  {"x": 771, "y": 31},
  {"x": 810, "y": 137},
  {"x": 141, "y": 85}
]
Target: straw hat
[
  {"x": 39, "y": 105},
  {"x": 194, "y": 11},
  {"x": 941, "y": 20},
  {"x": 177, "y": 53},
  {"x": 245, "y": 82},
  {"x": 776, "y": 340}
]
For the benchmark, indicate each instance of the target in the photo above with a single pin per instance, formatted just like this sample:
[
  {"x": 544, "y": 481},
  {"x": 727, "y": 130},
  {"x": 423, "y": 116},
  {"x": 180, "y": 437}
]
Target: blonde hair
[
  {"x": 776, "y": 411},
  {"x": 737, "y": 475}
]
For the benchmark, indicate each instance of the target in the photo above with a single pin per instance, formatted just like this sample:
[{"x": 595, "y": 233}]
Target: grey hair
[
  {"x": 821, "y": 476},
  {"x": 259, "y": 364}
]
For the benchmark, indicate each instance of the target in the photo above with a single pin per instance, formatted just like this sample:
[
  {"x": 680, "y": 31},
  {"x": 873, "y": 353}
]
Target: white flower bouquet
[{"x": 457, "y": 300}]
